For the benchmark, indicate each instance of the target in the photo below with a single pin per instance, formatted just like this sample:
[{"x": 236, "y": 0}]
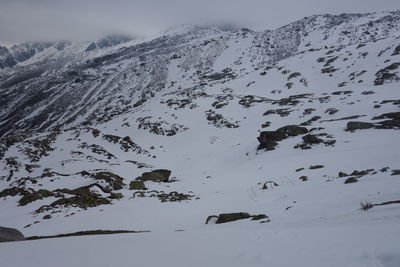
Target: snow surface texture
[{"x": 194, "y": 101}]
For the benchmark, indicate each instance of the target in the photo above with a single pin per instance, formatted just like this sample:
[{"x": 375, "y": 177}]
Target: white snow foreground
[
  {"x": 218, "y": 92},
  {"x": 365, "y": 241}
]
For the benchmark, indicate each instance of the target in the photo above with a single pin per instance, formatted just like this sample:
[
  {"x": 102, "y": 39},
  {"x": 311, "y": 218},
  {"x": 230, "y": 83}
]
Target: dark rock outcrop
[
  {"x": 269, "y": 139},
  {"x": 115, "y": 181},
  {"x": 358, "y": 125},
  {"x": 235, "y": 216},
  {"x": 351, "y": 180},
  {"x": 160, "y": 175},
  {"x": 137, "y": 185}
]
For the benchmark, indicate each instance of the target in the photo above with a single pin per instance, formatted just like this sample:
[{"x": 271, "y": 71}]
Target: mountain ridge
[{"x": 257, "y": 145}]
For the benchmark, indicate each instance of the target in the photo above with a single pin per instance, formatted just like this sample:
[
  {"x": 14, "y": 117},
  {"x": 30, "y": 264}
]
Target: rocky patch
[
  {"x": 159, "y": 127},
  {"x": 231, "y": 217},
  {"x": 83, "y": 197},
  {"x": 160, "y": 175},
  {"x": 219, "y": 121},
  {"x": 387, "y": 74},
  {"x": 249, "y": 100},
  {"x": 165, "y": 197},
  {"x": 310, "y": 140},
  {"x": 269, "y": 139}
]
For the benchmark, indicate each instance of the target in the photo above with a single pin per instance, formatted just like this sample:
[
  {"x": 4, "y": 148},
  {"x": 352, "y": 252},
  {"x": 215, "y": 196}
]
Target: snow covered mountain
[{"x": 288, "y": 129}]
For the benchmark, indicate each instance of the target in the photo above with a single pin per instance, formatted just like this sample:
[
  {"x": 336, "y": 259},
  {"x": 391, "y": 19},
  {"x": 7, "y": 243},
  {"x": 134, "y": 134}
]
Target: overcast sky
[{"x": 23, "y": 20}]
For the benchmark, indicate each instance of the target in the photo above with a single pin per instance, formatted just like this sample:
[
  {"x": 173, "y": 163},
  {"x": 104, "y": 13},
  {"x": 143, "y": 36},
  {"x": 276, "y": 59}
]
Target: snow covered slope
[{"x": 295, "y": 126}]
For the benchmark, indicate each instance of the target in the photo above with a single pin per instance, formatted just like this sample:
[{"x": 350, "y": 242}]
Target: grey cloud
[{"x": 22, "y": 20}]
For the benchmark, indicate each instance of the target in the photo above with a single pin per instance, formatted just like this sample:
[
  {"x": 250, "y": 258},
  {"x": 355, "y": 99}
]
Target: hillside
[{"x": 295, "y": 126}]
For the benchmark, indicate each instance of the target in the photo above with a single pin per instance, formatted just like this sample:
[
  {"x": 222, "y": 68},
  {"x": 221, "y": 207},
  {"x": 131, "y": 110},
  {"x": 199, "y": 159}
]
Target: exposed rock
[
  {"x": 13, "y": 191},
  {"x": 137, "y": 185},
  {"x": 387, "y": 74},
  {"x": 212, "y": 217},
  {"x": 160, "y": 175},
  {"x": 231, "y": 217},
  {"x": 10, "y": 234},
  {"x": 396, "y": 51},
  {"x": 303, "y": 178},
  {"x": 357, "y": 125},
  {"x": 35, "y": 195},
  {"x": 160, "y": 127},
  {"x": 226, "y": 73},
  {"x": 384, "y": 169},
  {"x": 292, "y": 100},
  {"x": 116, "y": 195},
  {"x": 342, "y": 174},
  {"x": 258, "y": 217},
  {"x": 342, "y": 92},
  {"x": 391, "y": 115},
  {"x": 248, "y": 100},
  {"x": 314, "y": 167},
  {"x": 219, "y": 121},
  {"x": 270, "y": 183},
  {"x": 266, "y": 124},
  {"x": 392, "y": 123},
  {"x": 351, "y": 180},
  {"x": 308, "y": 111},
  {"x": 83, "y": 197},
  {"x": 115, "y": 181},
  {"x": 396, "y": 172},
  {"x": 97, "y": 149},
  {"x": 345, "y": 118},
  {"x": 361, "y": 173},
  {"x": 310, "y": 121},
  {"x": 310, "y": 139},
  {"x": 283, "y": 112},
  {"x": 331, "y": 111},
  {"x": 165, "y": 197},
  {"x": 269, "y": 139}
]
